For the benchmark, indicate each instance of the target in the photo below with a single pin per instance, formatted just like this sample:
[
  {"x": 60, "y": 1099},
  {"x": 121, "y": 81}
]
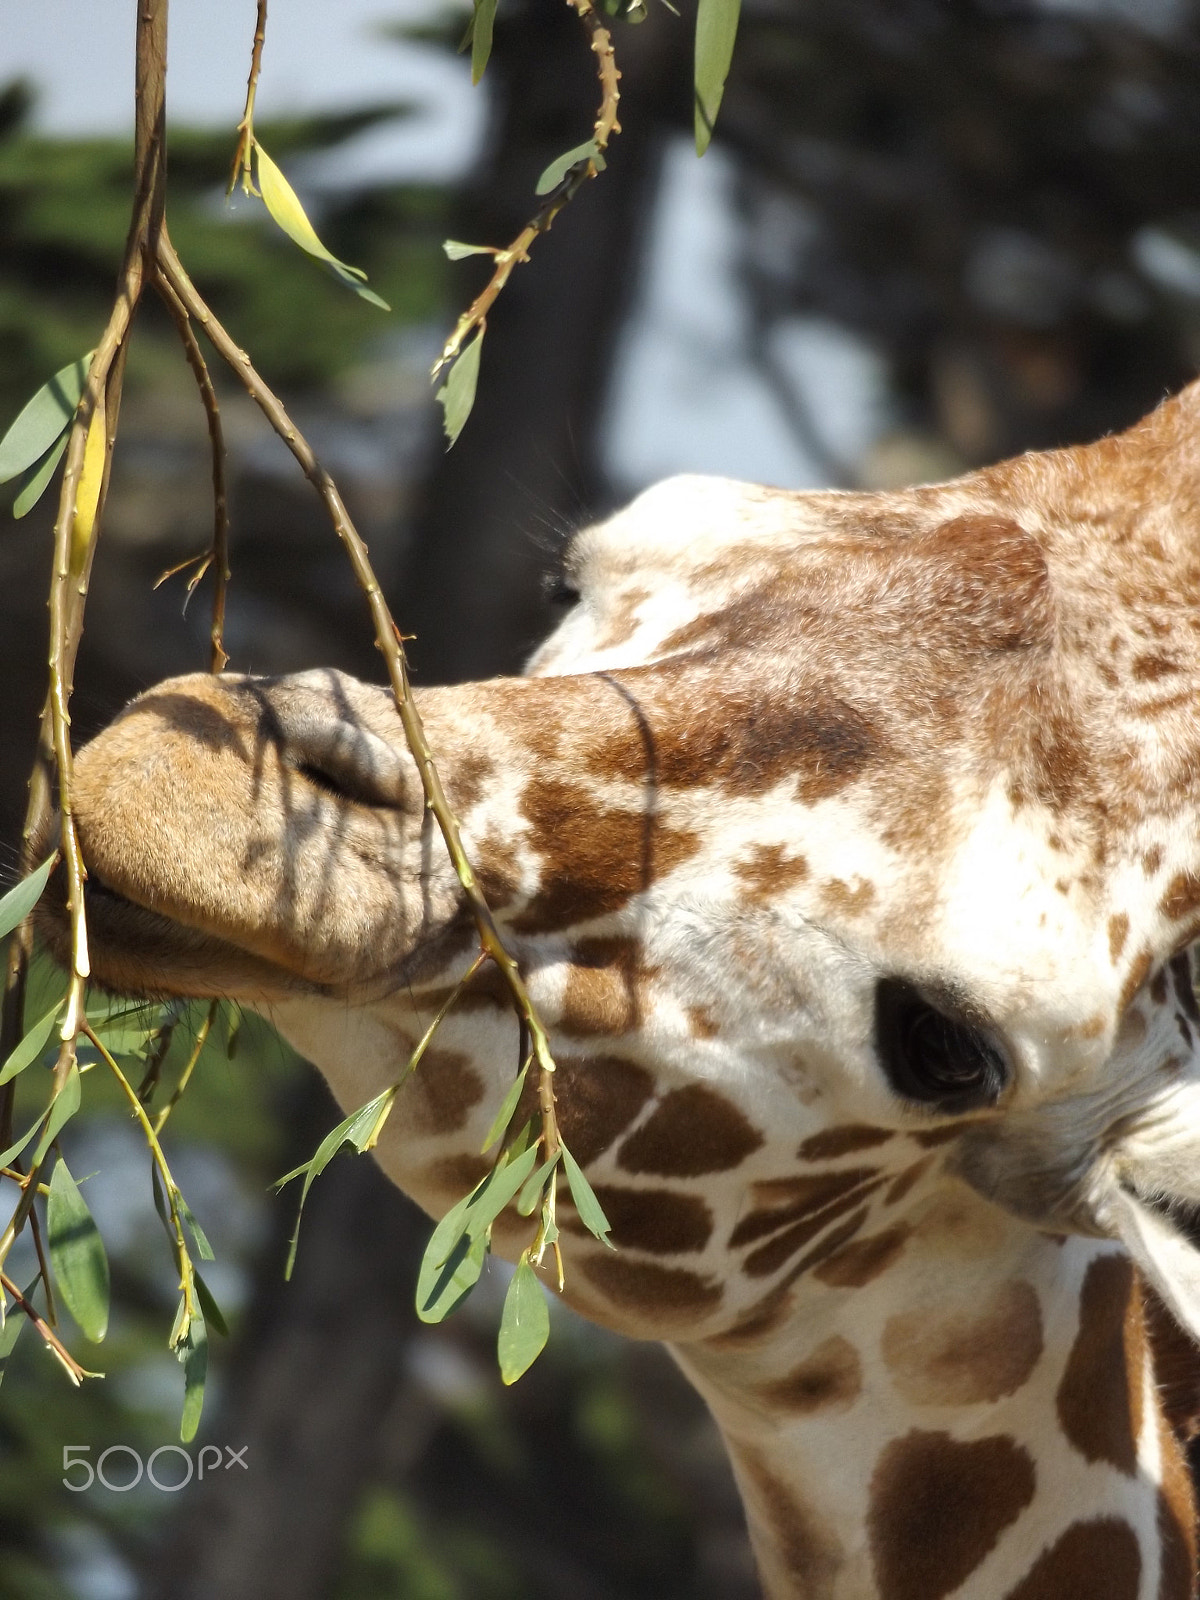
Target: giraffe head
[{"x": 818, "y": 813}]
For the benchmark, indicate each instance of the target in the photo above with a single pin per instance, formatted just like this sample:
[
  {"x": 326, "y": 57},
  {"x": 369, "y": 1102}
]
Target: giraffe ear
[{"x": 1164, "y": 1255}]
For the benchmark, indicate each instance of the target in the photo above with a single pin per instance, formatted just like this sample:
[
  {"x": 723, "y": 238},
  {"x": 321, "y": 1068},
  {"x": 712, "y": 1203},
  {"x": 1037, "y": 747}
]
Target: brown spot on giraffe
[
  {"x": 658, "y": 1221},
  {"x": 466, "y": 782},
  {"x": 829, "y": 1245},
  {"x": 1176, "y": 1505},
  {"x": 863, "y": 1260},
  {"x": 601, "y": 995},
  {"x": 439, "y": 1098},
  {"x": 1149, "y": 668},
  {"x": 937, "y": 1507},
  {"x": 968, "y": 1355},
  {"x": 770, "y": 870},
  {"x": 691, "y": 1132},
  {"x": 828, "y": 1379},
  {"x": 455, "y": 1176},
  {"x": 1100, "y": 1397},
  {"x": 498, "y": 868},
  {"x": 1118, "y": 932},
  {"x": 930, "y": 1138},
  {"x": 784, "y": 1200},
  {"x": 1181, "y": 897},
  {"x": 1135, "y": 978},
  {"x": 597, "y": 1097},
  {"x": 1151, "y": 861},
  {"x": 757, "y": 1321},
  {"x": 1071, "y": 1568},
  {"x": 908, "y": 1180},
  {"x": 808, "y": 1552},
  {"x": 662, "y": 1297},
  {"x": 702, "y": 1022},
  {"x": 771, "y": 1256},
  {"x": 842, "y": 1141},
  {"x": 849, "y": 901},
  {"x": 593, "y": 857}
]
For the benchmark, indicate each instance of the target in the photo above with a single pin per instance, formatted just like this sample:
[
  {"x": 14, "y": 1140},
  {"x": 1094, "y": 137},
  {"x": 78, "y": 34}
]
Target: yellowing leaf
[
  {"x": 284, "y": 205},
  {"x": 87, "y": 493}
]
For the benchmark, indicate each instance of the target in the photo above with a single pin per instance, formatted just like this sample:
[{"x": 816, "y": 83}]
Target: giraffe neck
[{"x": 981, "y": 1421}]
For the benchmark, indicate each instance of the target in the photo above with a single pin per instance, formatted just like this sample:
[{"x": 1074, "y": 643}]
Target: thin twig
[
  {"x": 218, "y": 555},
  {"x": 388, "y": 640},
  {"x": 605, "y": 126},
  {"x": 75, "y": 1372},
  {"x": 245, "y": 128},
  {"x": 202, "y": 1033}
]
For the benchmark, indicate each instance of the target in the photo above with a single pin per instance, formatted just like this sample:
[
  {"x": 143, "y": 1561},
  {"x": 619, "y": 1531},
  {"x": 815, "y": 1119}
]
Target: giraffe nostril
[{"x": 932, "y": 1055}]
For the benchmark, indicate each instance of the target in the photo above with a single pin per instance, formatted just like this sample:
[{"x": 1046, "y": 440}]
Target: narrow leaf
[
  {"x": 41, "y": 421},
  {"x": 354, "y": 1130},
  {"x": 481, "y": 37},
  {"x": 503, "y": 1116},
  {"x": 558, "y": 168},
  {"x": 77, "y": 1254},
  {"x": 34, "y": 479},
  {"x": 532, "y": 1192},
  {"x": 212, "y": 1311},
  {"x": 501, "y": 1184},
  {"x": 442, "y": 1288},
  {"x": 591, "y": 1213},
  {"x": 457, "y": 251},
  {"x": 64, "y": 1106},
  {"x": 716, "y": 30},
  {"x": 10, "y": 1332},
  {"x": 282, "y": 201},
  {"x": 524, "y": 1323},
  {"x": 31, "y": 1046},
  {"x": 457, "y": 394},
  {"x": 20, "y": 901},
  {"x": 87, "y": 490},
  {"x": 193, "y": 1353},
  {"x": 202, "y": 1244},
  {"x": 7, "y": 1157}
]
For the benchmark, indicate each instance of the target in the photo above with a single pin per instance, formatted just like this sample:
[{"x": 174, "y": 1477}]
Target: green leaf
[
  {"x": 32, "y": 1045},
  {"x": 7, "y": 1157},
  {"x": 457, "y": 251},
  {"x": 64, "y": 1106},
  {"x": 284, "y": 205},
  {"x": 212, "y": 1311},
  {"x": 481, "y": 37},
  {"x": 355, "y": 1130},
  {"x": 442, "y": 1288},
  {"x": 591, "y": 1213},
  {"x": 716, "y": 30},
  {"x": 496, "y": 1190},
  {"x": 202, "y": 1244},
  {"x": 504, "y": 1115},
  {"x": 34, "y": 479},
  {"x": 77, "y": 1254},
  {"x": 558, "y": 169},
  {"x": 193, "y": 1353},
  {"x": 20, "y": 901},
  {"x": 41, "y": 421},
  {"x": 532, "y": 1192},
  {"x": 524, "y": 1324},
  {"x": 457, "y": 394},
  {"x": 11, "y": 1331}
]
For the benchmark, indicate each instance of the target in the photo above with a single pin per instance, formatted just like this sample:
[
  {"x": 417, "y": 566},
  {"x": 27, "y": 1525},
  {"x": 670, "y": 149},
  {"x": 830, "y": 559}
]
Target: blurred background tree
[{"x": 927, "y": 235}]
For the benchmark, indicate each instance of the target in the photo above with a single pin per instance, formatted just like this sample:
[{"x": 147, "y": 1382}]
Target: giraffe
[{"x": 850, "y": 844}]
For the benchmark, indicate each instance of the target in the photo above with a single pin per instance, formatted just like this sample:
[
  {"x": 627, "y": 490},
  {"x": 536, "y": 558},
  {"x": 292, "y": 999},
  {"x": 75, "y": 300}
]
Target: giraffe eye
[{"x": 933, "y": 1056}]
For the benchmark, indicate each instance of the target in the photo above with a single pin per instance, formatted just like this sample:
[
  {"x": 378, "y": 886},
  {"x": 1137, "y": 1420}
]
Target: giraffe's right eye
[{"x": 932, "y": 1056}]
